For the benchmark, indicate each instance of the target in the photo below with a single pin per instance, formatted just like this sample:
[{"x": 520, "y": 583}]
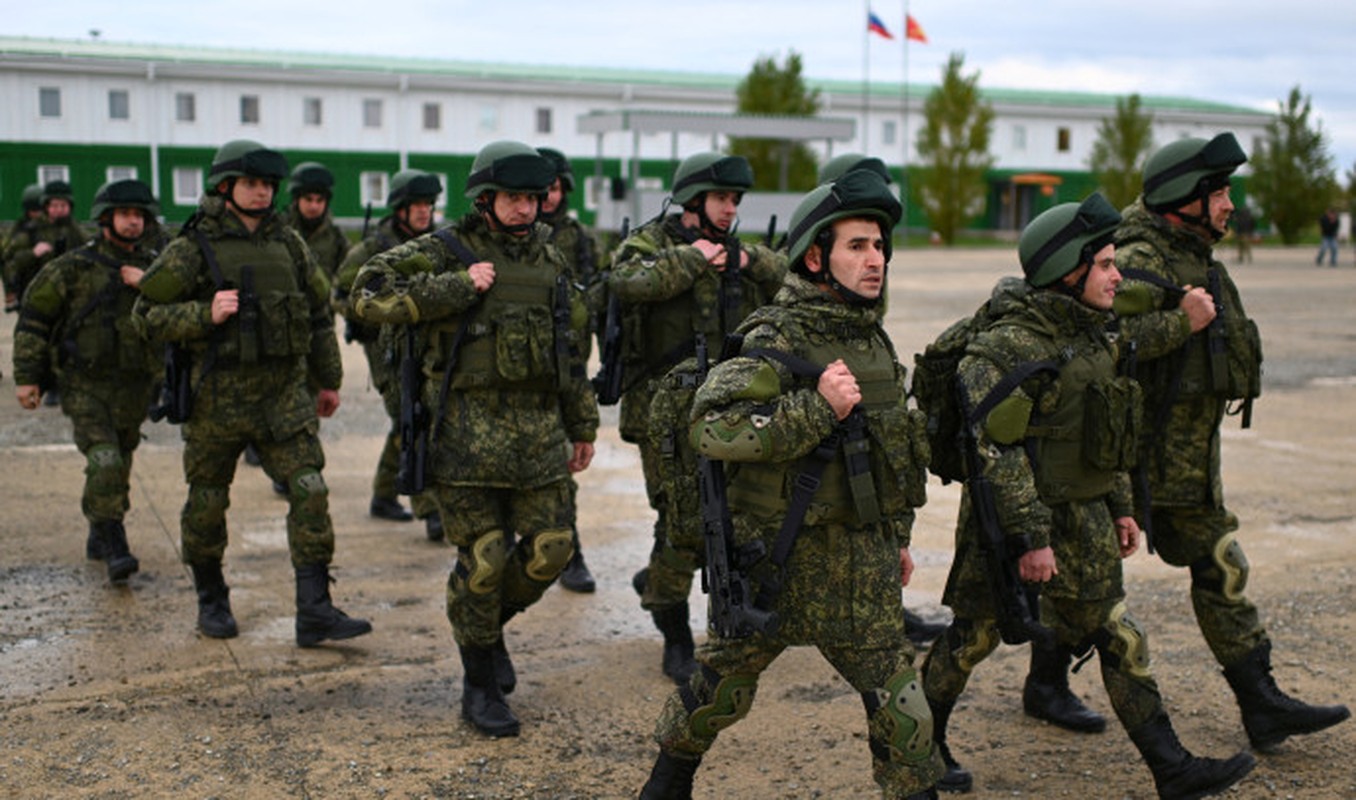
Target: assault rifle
[
  {"x": 607, "y": 384},
  {"x": 414, "y": 422}
]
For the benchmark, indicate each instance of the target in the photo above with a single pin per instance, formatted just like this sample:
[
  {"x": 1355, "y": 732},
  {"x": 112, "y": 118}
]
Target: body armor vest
[
  {"x": 99, "y": 338},
  {"x": 274, "y": 320}
]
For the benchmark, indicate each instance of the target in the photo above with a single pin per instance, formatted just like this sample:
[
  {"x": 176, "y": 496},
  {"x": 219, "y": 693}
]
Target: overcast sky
[{"x": 1244, "y": 52}]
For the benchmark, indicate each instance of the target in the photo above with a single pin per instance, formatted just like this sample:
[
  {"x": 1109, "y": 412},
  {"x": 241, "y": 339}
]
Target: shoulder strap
[
  {"x": 210, "y": 256},
  {"x": 1005, "y": 387},
  {"x": 463, "y": 254},
  {"x": 1146, "y": 276},
  {"x": 460, "y": 250}
]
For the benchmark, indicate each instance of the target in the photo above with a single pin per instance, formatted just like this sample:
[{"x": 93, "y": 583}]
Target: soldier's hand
[
  {"x": 28, "y": 395},
  {"x": 224, "y": 304},
  {"x": 839, "y": 387},
  {"x": 1037, "y": 566},
  {"x": 1199, "y": 307},
  {"x": 712, "y": 252},
  {"x": 326, "y": 402},
  {"x": 905, "y": 566},
  {"x": 581, "y": 457},
  {"x": 41, "y": 249},
  {"x": 131, "y": 276},
  {"x": 482, "y": 275},
  {"x": 1127, "y": 534}
]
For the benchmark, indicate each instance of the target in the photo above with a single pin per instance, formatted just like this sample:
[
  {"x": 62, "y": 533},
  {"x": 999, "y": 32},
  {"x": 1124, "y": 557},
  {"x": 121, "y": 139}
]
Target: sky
[{"x": 1244, "y": 52}]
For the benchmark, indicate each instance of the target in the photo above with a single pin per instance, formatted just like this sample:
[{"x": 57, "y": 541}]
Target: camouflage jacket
[
  {"x": 387, "y": 235},
  {"x": 328, "y": 244},
  {"x": 76, "y": 319},
  {"x": 494, "y": 436},
  {"x": 576, "y": 244},
  {"x": 669, "y": 293},
  {"x": 21, "y": 265}
]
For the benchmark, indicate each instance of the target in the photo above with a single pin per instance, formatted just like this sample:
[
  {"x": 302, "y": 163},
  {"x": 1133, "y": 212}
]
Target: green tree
[
  {"x": 953, "y": 146},
  {"x": 778, "y": 164},
  {"x": 1292, "y": 173},
  {"x": 1124, "y": 141}
]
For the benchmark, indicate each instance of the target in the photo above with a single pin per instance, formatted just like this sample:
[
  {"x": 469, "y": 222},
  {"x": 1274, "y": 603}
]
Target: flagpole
[
  {"x": 904, "y": 162},
  {"x": 866, "y": 81}
]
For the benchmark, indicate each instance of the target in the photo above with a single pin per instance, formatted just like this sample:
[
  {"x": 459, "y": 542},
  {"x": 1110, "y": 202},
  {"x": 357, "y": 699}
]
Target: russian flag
[{"x": 874, "y": 25}]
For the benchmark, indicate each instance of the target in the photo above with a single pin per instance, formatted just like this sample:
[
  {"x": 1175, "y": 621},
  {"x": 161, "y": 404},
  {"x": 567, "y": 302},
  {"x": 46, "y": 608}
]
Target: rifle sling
[{"x": 463, "y": 254}]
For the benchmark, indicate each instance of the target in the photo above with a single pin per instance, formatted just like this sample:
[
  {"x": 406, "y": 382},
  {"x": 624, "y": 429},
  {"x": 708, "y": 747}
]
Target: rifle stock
[{"x": 414, "y": 422}]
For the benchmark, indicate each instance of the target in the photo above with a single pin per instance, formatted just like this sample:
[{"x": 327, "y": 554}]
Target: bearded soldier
[
  {"x": 513, "y": 414},
  {"x": 76, "y": 325},
  {"x": 1199, "y": 353},
  {"x": 242, "y": 294}
]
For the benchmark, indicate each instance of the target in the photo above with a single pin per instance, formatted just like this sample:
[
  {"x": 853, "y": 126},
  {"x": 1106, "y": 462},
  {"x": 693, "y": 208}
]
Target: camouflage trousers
[
  {"x": 209, "y": 468},
  {"x": 1122, "y": 649},
  {"x": 106, "y": 419},
  {"x": 720, "y": 693},
  {"x": 388, "y": 465},
  {"x": 1202, "y": 539},
  {"x": 511, "y": 546},
  {"x": 672, "y": 563}
]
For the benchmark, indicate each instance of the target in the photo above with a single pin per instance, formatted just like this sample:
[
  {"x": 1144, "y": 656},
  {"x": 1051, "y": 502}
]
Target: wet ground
[{"x": 109, "y": 692}]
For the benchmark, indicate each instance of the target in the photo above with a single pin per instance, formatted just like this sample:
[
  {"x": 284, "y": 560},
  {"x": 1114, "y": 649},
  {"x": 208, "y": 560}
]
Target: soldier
[
  {"x": 848, "y": 556},
  {"x": 513, "y": 413},
  {"x": 241, "y": 292},
  {"x": 1059, "y": 484},
  {"x": 27, "y": 251},
  {"x": 579, "y": 249},
  {"x": 410, "y": 199},
  {"x": 75, "y": 325},
  {"x": 674, "y": 281},
  {"x": 27, "y": 223},
  {"x": 312, "y": 187},
  {"x": 1199, "y": 353}
]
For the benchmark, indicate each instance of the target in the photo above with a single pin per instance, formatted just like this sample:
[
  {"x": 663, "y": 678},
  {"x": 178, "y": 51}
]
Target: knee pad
[
  {"x": 309, "y": 497},
  {"x": 971, "y": 644},
  {"x": 548, "y": 553},
  {"x": 899, "y": 719},
  {"x": 1123, "y": 645},
  {"x": 1224, "y": 571},
  {"x": 104, "y": 466},
  {"x": 731, "y": 699},
  {"x": 488, "y": 555},
  {"x": 206, "y": 507}
]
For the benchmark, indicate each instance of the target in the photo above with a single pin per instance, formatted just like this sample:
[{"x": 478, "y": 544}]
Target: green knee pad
[
  {"x": 730, "y": 702},
  {"x": 488, "y": 557},
  {"x": 206, "y": 507},
  {"x": 309, "y": 496},
  {"x": 899, "y": 719},
  {"x": 975, "y": 645},
  {"x": 1224, "y": 571},
  {"x": 1124, "y": 643},
  {"x": 104, "y": 465},
  {"x": 548, "y": 553}
]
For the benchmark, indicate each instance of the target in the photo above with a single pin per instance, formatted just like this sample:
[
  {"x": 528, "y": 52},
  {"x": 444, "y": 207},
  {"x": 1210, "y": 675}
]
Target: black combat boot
[
  {"x": 1047, "y": 696},
  {"x": 1177, "y": 773},
  {"x": 1269, "y": 714},
  {"x": 576, "y": 576},
  {"x": 433, "y": 527},
  {"x": 671, "y": 778},
  {"x": 926, "y": 794},
  {"x": 95, "y": 550},
  {"x": 957, "y": 779},
  {"x": 920, "y": 631},
  {"x": 482, "y": 702},
  {"x": 389, "y": 508},
  {"x": 317, "y": 618},
  {"x": 214, "y": 603},
  {"x": 504, "y": 673},
  {"x": 679, "y": 649},
  {"x": 121, "y": 562}
]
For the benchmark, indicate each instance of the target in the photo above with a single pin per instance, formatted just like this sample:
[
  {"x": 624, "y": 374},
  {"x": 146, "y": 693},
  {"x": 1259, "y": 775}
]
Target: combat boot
[
  {"x": 121, "y": 562},
  {"x": 671, "y": 778},
  {"x": 317, "y": 618},
  {"x": 433, "y": 527},
  {"x": 679, "y": 650},
  {"x": 1270, "y": 715},
  {"x": 1177, "y": 773},
  {"x": 956, "y": 779},
  {"x": 504, "y": 673},
  {"x": 1047, "y": 696},
  {"x": 920, "y": 631},
  {"x": 388, "y": 508},
  {"x": 482, "y": 702},
  {"x": 214, "y": 603},
  {"x": 94, "y": 543},
  {"x": 576, "y": 576}
]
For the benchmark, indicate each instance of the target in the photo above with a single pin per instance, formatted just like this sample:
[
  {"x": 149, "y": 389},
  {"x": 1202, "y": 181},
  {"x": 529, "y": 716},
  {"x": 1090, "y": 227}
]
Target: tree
[
  {"x": 778, "y": 164},
  {"x": 1124, "y": 141},
  {"x": 954, "y": 148},
  {"x": 1292, "y": 174}
]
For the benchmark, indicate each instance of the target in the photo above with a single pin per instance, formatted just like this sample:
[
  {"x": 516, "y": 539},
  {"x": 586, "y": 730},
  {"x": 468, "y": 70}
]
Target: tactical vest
[
  {"x": 1239, "y": 377},
  {"x": 99, "y": 337},
  {"x": 510, "y": 340},
  {"x": 274, "y": 320}
]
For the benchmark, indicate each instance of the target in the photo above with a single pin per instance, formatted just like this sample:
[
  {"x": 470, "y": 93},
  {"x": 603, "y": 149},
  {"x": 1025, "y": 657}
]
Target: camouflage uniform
[
  {"x": 498, "y": 454},
  {"x": 670, "y": 293},
  {"x": 328, "y": 244},
  {"x": 842, "y": 580},
  {"x": 266, "y": 400},
  {"x": 20, "y": 263}
]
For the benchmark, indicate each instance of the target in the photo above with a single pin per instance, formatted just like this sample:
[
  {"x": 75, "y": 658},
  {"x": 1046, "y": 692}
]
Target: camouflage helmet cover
[
  {"x": 859, "y": 193},
  {"x": 1055, "y": 243},
  {"x": 705, "y": 172},
  {"x": 507, "y": 166}
]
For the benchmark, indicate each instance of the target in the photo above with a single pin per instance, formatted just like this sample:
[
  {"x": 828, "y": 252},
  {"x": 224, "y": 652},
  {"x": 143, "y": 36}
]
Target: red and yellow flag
[{"x": 914, "y": 31}]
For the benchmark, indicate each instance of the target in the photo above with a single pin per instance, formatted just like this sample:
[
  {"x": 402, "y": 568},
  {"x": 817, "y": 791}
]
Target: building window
[
  {"x": 311, "y": 111},
  {"x": 185, "y": 107},
  {"x": 372, "y": 188},
  {"x": 53, "y": 172},
  {"x": 888, "y": 132},
  {"x": 1019, "y": 138},
  {"x": 187, "y": 185},
  {"x": 1063, "y": 143},
  {"x": 49, "y": 102},
  {"x": 433, "y": 117},
  {"x": 543, "y": 120},
  {"x": 371, "y": 113},
  {"x": 249, "y": 109},
  {"x": 119, "y": 104},
  {"x": 489, "y": 119},
  {"x": 120, "y": 174}
]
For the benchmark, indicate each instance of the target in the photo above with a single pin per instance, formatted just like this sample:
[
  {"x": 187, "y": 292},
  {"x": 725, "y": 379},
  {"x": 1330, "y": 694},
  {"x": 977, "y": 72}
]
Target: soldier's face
[
  {"x": 58, "y": 208},
  {"x": 516, "y": 208},
  {"x": 722, "y": 208},
  {"x": 857, "y": 259},
  {"x": 129, "y": 223},
  {"x": 252, "y": 193},
  {"x": 1099, "y": 291},
  {"x": 418, "y": 215},
  {"x": 1221, "y": 208},
  {"x": 553, "y": 197},
  {"x": 312, "y": 205}
]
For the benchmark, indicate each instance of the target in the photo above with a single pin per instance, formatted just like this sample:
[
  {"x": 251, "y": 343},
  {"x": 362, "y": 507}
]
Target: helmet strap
[
  {"x": 485, "y": 205},
  {"x": 256, "y": 213}
]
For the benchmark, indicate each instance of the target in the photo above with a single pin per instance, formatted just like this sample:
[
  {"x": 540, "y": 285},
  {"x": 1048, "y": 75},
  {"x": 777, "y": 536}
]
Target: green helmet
[
  {"x": 860, "y": 193},
  {"x": 57, "y": 190},
  {"x": 127, "y": 193},
  {"x": 32, "y": 197},
  {"x": 506, "y": 166},
  {"x": 838, "y": 166},
  {"x": 1187, "y": 169},
  {"x": 1057, "y": 241},
  {"x": 706, "y": 172},
  {"x": 561, "y": 165},
  {"x": 410, "y": 185},
  {"x": 241, "y": 157},
  {"x": 311, "y": 177}
]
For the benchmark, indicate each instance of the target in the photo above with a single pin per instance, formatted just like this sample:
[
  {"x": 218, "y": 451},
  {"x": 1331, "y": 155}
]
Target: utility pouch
[{"x": 1112, "y": 418}]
